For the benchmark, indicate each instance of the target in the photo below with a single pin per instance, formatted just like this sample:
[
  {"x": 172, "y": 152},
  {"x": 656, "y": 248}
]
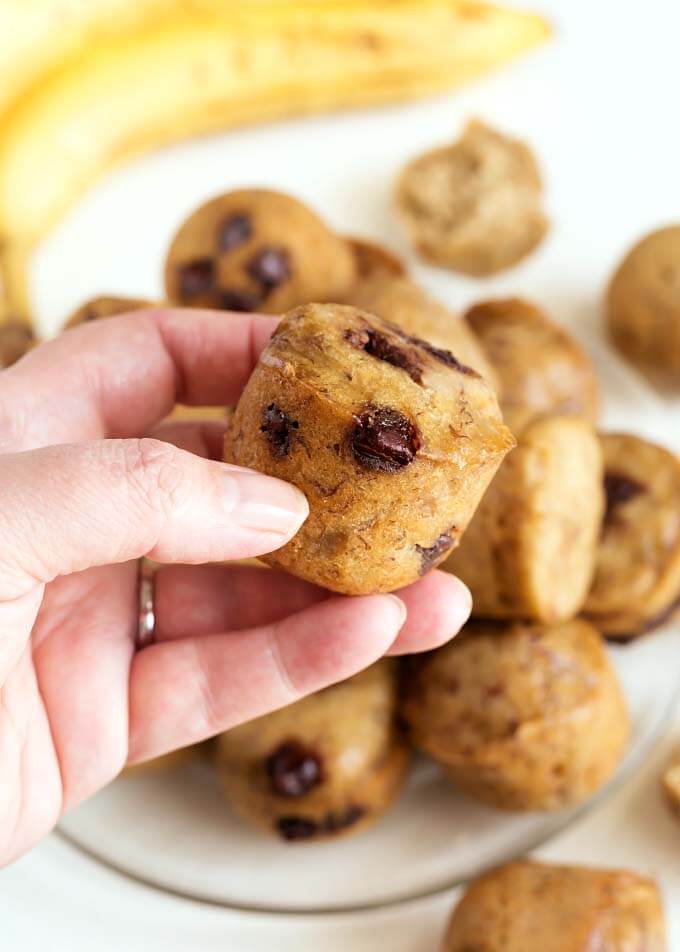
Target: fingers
[
  {"x": 67, "y": 508},
  {"x": 202, "y": 600},
  {"x": 120, "y": 376},
  {"x": 185, "y": 690},
  {"x": 202, "y": 438},
  {"x": 438, "y": 606}
]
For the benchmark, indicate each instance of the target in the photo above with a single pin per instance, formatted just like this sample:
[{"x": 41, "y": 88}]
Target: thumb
[{"x": 71, "y": 507}]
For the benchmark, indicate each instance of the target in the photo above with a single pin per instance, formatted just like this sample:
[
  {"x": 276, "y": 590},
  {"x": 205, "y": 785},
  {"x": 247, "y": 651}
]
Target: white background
[{"x": 600, "y": 106}]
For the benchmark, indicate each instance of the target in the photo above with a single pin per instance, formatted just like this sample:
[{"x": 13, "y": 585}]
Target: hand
[{"x": 90, "y": 482}]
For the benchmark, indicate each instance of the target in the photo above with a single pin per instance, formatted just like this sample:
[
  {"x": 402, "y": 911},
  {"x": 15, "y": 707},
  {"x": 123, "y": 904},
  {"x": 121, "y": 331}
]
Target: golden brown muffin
[
  {"x": 643, "y": 305},
  {"x": 392, "y": 440},
  {"x": 105, "y": 306},
  {"x": 16, "y": 339},
  {"x": 256, "y": 250},
  {"x": 522, "y": 716},
  {"x": 403, "y": 302},
  {"x": 542, "y": 370},
  {"x": 534, "y": 907},
  {"x": 328, "y": 765},
  {"x": 372, "y": 258},
  {"x": 530, "y": 549},
  {"x": 636, "y": 586},
  {"x": 474, "y": 206}
]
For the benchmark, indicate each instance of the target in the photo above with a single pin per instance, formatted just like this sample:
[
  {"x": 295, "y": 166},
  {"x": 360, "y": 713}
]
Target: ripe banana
[{"x": 118, "y": 77}]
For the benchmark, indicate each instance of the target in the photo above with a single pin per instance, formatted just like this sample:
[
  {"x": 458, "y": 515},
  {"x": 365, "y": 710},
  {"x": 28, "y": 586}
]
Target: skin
[{"x": 91, "y": 480}]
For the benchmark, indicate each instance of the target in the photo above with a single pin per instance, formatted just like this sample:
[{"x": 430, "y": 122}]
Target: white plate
[{"x": 174, "y": 830}]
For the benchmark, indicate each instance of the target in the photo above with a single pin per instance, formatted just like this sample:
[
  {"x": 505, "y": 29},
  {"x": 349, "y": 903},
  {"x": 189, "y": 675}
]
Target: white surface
[{"x": 599, "y": 106}]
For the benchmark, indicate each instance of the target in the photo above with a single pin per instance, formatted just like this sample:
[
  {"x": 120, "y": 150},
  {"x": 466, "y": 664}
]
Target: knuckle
[{"x": 154, "y": 471}]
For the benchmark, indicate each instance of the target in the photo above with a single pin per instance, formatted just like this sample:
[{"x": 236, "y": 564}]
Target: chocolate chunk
[
  {"x": 446, "y": 357},
  {"x": 433, "y": 554},
  {"x": 619, "y": 489},
  {"x": 233, "y": 300},
  {"x": 384, "y": 439},
  {"x": 270, "y": 267},
  {"x": 296, "y": 828},
  {"x": 277, "y": 426},
  {"x": 196, "y": 277},
  {"x": 293, "y": 770},
  {"x": 392, "y": 352},
  {"x": 234, "y": 231},
  {"x": 334, "y": 822}
]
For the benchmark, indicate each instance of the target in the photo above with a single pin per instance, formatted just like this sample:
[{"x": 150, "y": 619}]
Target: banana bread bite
[
  {"x": 541, "y": 368},
  {"x": 636, "y": 586},
  {"x": 256, "y": 250},
  {"x": 521, "y": 716},
  {"x": 530, "y": 549},
  {"x": 372, "y": 258},
  {"x": 474, "y": 206},
  {"x": 392, "y": 440},
  {"x": 324, "y": 767},
  {"x": 643, "y": 305},
  {"x": 16, "y": 339},
  {"x": 403, "y": 302},
  {"x": 105, "y": 306},
  {"x": 536, "y": 907}
]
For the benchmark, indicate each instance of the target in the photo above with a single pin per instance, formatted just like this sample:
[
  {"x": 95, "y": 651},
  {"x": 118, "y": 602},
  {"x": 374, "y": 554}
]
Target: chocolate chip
[
  {"x": 383, "y": 348},
  {"x": 234, "y": 231},
  {"x": 296, "y": 828},
  {"x": 333, "y": 822},
  {"x": 446, "y": 357},
  {"x": 433, "y": 554},
  {"x": 196, "y": 277},
  {"x": 270, "y": 267},
  {"x": 293, "y": 770},
  {"x": 384, "y": 439},
  {"x": 619, "y": 489},
  {"x": 233, "y": 300},
  {"x": 277, "y": 426}
]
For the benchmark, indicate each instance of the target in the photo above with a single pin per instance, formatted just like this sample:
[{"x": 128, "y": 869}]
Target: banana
[{"x": 120, "y": 77}]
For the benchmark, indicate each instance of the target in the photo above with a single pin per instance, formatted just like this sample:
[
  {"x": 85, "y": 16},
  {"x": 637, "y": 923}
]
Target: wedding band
[{"x": 146, "y": 625}]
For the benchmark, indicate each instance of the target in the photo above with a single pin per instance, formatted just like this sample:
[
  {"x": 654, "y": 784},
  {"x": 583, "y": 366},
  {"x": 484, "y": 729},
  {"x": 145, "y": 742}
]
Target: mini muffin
[
  {"x": 392, "y": 440},
  {"x": 372, "y": 259},
  {"x": 542, "y": 370},
  {"x": 637, "y": 576},
  {"x": 535, "y": 907},
  {"x": 530, "y": 549},
  {"x": 255, "y": 250},
  {"x": 326, "y": 766},
  {"x": 522, "y": 716},
  {"x": 474, "y": 206},
  {"x": 105, "y": 306},
  {"x": 643, "y": 305},
  {"x": 403, "y": 302},
  {"x": 16, "y": 339}
]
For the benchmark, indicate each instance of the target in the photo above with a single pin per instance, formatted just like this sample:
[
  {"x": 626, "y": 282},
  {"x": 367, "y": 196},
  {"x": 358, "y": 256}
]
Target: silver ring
[{"x": 146, "y": 624}]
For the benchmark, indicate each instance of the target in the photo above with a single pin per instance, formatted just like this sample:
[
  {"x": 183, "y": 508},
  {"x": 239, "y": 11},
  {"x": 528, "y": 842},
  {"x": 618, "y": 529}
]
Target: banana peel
[{"x": 125, "y": 76}]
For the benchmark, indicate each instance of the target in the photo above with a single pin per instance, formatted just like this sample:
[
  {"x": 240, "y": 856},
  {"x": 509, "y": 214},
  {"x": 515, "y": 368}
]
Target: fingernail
[
  {"x": 263, "y": 503},
  {"x": 401, "y": 609},
  {"x": 464, "y": 603}
]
